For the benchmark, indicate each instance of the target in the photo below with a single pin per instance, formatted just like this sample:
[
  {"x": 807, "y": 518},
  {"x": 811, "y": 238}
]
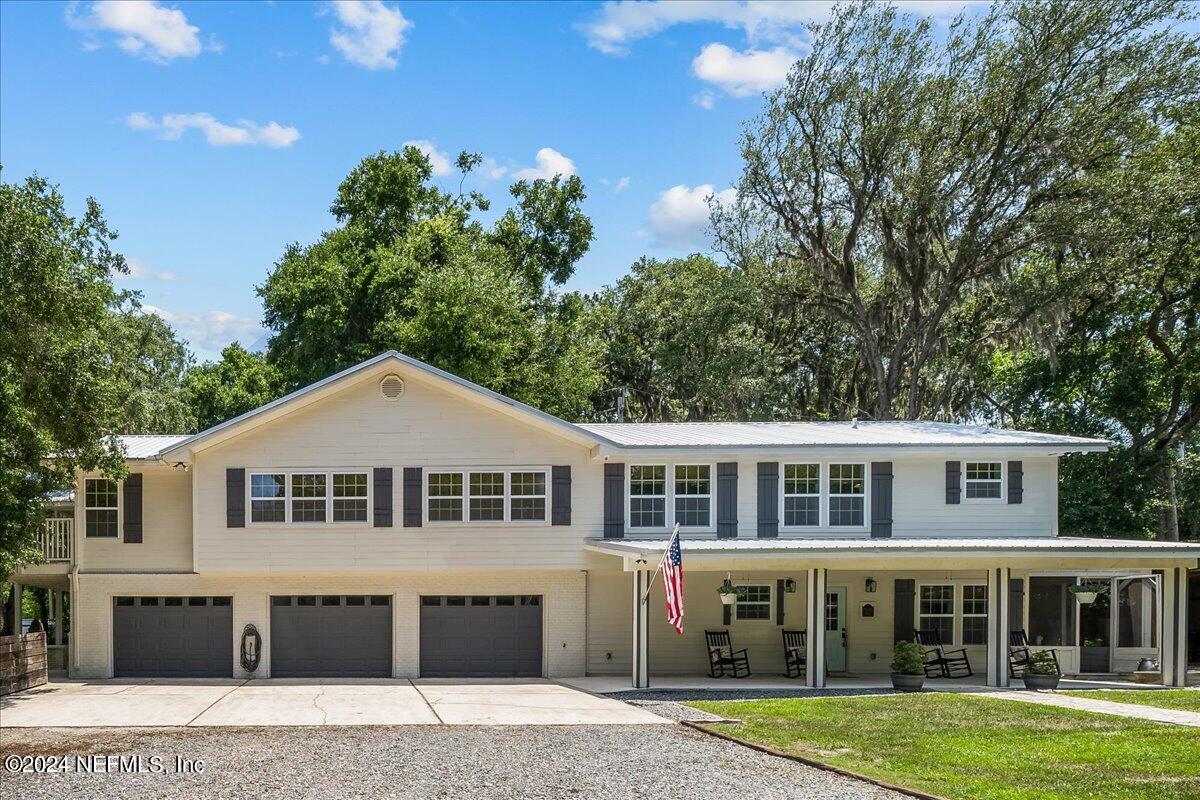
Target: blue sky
[{"x": 215, "y": 133}]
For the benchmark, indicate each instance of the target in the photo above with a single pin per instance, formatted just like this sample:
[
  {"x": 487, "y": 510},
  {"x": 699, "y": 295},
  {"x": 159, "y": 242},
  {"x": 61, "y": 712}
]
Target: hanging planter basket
[
  {"x": 1086, "y": 593},
  {"x": 728, "y": 592}
]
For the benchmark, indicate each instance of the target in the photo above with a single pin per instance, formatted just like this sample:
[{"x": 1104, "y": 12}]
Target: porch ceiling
[{"x": 860, "y": 547}]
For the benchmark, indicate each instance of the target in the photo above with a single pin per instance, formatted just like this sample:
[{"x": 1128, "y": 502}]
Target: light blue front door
[{"x": 835, "y": 629}]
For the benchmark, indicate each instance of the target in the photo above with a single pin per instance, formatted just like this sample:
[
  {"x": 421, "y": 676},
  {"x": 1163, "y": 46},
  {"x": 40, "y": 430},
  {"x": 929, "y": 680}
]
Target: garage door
[
  {"x": 486, "y": 637},
  {"x": 172, "y": 637},
  {"x": 331, "y": 636}
]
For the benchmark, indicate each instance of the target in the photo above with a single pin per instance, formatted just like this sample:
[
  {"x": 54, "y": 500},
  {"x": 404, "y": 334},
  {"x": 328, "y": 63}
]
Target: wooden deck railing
[{"x": 57, "y": 538}]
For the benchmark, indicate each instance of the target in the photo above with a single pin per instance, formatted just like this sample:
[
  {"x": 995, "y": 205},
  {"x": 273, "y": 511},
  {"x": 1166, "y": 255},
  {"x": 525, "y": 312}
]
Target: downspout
[{"x": 72, "y": 642}]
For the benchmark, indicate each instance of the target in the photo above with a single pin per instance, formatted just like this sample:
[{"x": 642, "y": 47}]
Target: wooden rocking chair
[
  {"x": 1019, "y": 654},
  {"x": 723, "y": 660},
  {"x": 795, "y": 653},
  {"x": 940, "y": 662}
]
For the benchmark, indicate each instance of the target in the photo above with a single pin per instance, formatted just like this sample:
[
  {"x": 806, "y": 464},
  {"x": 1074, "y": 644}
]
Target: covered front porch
[{"x": 978, "y": 596}]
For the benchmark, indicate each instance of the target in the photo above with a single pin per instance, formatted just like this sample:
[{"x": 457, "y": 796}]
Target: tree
[
  {"x": 409, "y": 268},
  {"x": 150, "y": 361},
  {"x": 906, "y": 182},
  {"x": 241, "y": 381},
  {"x": 61, "y": 401}
]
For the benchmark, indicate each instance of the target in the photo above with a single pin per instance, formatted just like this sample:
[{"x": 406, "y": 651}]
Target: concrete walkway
[
  {"x": 302, "y": 702},
  {"x": 1151, "y": 713}
]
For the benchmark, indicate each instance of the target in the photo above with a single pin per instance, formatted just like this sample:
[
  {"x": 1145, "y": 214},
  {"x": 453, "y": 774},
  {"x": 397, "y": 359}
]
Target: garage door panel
[
  {"x": 172, "y": 641},
  {"x": 481, "y": 637},
  {"x": 322, "y": 640}
]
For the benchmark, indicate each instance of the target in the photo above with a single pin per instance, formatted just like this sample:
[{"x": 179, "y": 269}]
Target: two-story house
[{"x": 396, "y": 520}]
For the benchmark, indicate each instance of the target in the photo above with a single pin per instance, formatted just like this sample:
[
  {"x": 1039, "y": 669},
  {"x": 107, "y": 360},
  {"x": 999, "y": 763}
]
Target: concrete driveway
[{"x": 297, "y": 702}]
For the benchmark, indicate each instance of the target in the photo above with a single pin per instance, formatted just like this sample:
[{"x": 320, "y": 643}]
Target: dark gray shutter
[
  {"x": 768, "y": 499},
  {"x": 235, "y": 497},
  {"x": 382, "y": 477},
  {"x": 132, "y": 512},
  {"x": 412, "y": 497},
  {"x": 726, "y": 614},
  {"x": 905, "y": 608},
  {"x": 1016, "y": 486},
  {"x": 727, "y": 521},
  {"x": 560, "y": 496},
  {"x": 779, "y": 602},
  {"x": 614, "y": 501},
  {"x": 881, "y": 499},
  {"x": 1016, "y": 604},
  {"x": 953, "y": 481}
]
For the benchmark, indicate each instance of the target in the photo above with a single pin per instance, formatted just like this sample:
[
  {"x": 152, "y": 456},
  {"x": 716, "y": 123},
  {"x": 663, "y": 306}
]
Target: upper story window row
[
  {"x": 304, "y": 497},
  {"x": 486, "y": 495}
]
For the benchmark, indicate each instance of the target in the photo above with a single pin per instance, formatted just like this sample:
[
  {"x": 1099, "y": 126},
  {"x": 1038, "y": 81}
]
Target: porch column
[
  {"x": 641, "y": 630},
  {"x": 56, "y": 600},
  {"x": 1173, "y": 641},
  {"x": 997, "y": 620},
  {"x": 814, "y": 677},
  {"x": 12, "y": 625}
]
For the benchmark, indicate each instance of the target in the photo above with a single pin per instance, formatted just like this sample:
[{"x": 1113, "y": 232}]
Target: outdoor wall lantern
[
  {"x": 870, "y": 585},
  {"x": 789, "y": 585}
]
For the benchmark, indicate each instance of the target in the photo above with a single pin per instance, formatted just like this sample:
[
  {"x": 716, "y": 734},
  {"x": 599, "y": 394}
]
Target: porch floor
[{"x": 836, "y": 684}]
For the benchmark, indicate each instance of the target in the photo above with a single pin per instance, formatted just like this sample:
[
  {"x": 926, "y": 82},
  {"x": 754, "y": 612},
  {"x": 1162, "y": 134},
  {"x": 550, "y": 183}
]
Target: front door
[{"x": 835, "y": 629}]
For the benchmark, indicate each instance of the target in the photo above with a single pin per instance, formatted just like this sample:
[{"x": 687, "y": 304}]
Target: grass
[
  {"x": 1180, "y": 699},
  {"x": 967, "y": 747}
]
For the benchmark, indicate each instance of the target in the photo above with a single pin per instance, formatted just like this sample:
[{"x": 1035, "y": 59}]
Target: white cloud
[
  {"x": 742, "y": 74},
  {"x": 550, "y": 162},
  {"x": 438, "y": 161},
  {"x": 618, "y": 24},
  {"x": 217, "y": 134},
  {"x": 138, "y": 271},
  {"x": 705, "y": 99},
  {"x": 680, "y": 215},
  {"x": 143, "y": 28},
  {"x": 371, "y": 34},
  {"x": 491, "y": 169},
  {"x": 212, "y": 330},
  {"x": 622, "y": 185}
]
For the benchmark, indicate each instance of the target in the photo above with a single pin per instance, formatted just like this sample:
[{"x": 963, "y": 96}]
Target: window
[
  {"x": 267, "y": 497},
  {"x": 100, "y": 508},
  {"x": 801, "y": 495},
  {"x": 528, "y": 491},
  {"x": 487, "y": 496},
  {"x": 647, "y": 496},
  {"x": 753, "y": 602},
  {"x": 693, "y": 495},
  {"x": 847, "y": 495},
  {"x": 974, "y": 614},
  {"x": 445, "y": 497},
  {"x": 349, "y": 497},
  {"x": 983, "y": 480},
  {"x": 308, "y": 497},
  {"x": 936, "y": 611}
]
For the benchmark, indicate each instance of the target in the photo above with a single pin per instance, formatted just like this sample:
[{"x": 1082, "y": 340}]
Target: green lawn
[
  {"x": 974, "y": 747},
  {"x": 1181, "y": 699}
]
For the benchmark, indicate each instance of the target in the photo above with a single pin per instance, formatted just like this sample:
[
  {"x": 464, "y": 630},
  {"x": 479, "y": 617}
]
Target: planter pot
[
  {"x": 728, "y": 599},
  {"x": 907, "y": 683},
  {"x": 1033, "y": 681},
  {"x": 1086, "y": 598}
]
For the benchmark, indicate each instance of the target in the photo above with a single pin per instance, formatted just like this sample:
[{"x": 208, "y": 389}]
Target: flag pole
[{"x": 658, "y": 569}]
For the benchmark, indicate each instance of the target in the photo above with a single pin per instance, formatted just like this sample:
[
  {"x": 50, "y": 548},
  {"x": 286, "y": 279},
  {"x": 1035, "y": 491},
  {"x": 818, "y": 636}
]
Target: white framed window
[
  {"x": 444, "y": 493},
  {"x": 801, "y": 495},
  {"x": 268, "y": 497},
  {"x": 528, "y": 496},
  {"x": 984, "y": 480},
  {"x": 487, "y": 495},
  {"x": 753, "y": 601},
  {"x": 974, "y": 613},
  {"x": 648, "y": 496},
  {"x": 935, "y": 610},
  {"x": 101, "y": 508},
  {"x": 847, "y": 495},
  {"x": 309, "y": 494},
  {"x": 693, "y": 495},
  {"x": 350, "y": 496}
]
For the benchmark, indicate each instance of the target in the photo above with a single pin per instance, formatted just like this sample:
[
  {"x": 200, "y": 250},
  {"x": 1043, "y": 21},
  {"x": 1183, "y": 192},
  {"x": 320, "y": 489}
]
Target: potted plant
[
  {"x": 1085, "y": 593},
  {"x": 1041, "y": 672},
  {"x": 728, "y": 592},
  {"x": 908, "y": 667}
]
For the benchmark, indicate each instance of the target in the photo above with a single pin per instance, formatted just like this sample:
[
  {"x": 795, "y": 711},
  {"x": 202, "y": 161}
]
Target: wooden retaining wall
[{"x": 22, "y": 662}]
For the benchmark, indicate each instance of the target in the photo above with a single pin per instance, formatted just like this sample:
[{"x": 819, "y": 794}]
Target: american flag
[{"x": 672, "y": 572}]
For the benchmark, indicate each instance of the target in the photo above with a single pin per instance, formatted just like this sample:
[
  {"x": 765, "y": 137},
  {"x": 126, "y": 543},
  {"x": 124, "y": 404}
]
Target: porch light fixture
[
  {"x": 789, "y": 585},
  {"x": 871, "y": 585}
]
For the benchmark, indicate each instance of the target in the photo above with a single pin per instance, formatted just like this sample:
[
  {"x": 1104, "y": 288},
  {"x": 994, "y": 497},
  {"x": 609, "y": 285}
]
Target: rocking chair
[
  {"x": 1019, "y": 654},
  {"x": 940, "y": 662},
  {"x": 795, "y": 653},
  {"x": 723, "y": 660}
]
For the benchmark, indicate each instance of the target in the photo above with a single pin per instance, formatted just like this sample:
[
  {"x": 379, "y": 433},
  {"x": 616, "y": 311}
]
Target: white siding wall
[
  {"x": 562, "y": 612},
  {"x": 425, "y": 428},
  {"x": 166, "y": 525}
]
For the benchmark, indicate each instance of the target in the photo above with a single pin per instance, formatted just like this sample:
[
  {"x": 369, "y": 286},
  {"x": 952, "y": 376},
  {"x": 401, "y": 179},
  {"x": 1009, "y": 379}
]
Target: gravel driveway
[{"x": 613, "y": 761}]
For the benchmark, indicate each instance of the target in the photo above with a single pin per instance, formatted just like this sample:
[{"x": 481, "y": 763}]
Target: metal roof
[
  {"x": 828, "y": 434},
  {"x": 864, "y": 546},
  {"x": 148, "y": 446}
]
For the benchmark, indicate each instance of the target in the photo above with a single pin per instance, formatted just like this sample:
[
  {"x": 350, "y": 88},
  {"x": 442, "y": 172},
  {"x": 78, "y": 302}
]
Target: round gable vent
[{"x": 391, "y": 387}]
